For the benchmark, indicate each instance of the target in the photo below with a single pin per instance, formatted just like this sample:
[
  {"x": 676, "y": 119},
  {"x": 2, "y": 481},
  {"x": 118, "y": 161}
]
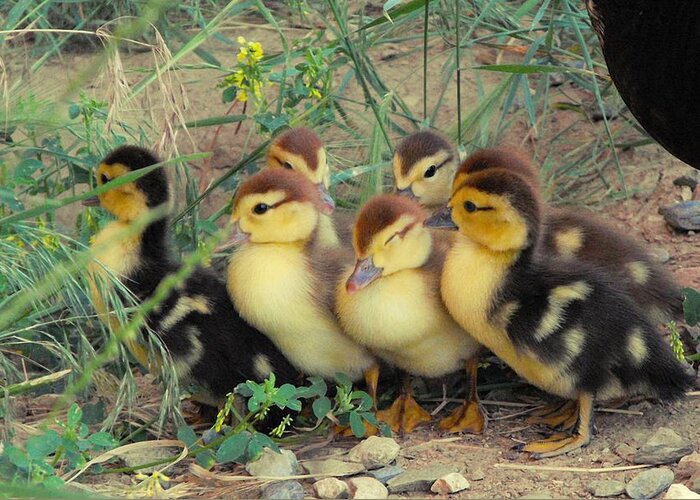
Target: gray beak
[
  {"x": 441, "y": 219},
  {"x": 238, "y": 236},
  {"x": 328, "y": 203},
  {"x": 408, "y": 193},
  {"x": 365, "y": 272}
]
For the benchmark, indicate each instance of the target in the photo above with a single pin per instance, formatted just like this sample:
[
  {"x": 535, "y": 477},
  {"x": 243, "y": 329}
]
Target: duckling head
[
  {"x": 275, "y": 206},
  {"x": 388, "y": 237},
  {"x": 511, "y": 159},
  {"x": 300, "y": 149},
  {"x": 129, "y": 201},
  {"x": 495, "y": 208},
  {"x": 424, "y": 164}
]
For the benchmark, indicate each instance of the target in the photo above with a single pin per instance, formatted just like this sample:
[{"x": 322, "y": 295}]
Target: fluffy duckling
[
  {"x": 390, "y": 303},
  {"x": 300, "y": 149},
  {"x": 424, "y": 165},
  {"x": 210, "y": 344},
  {"x": 566, "y": 329},
  {"x": 282, "y": 279}
]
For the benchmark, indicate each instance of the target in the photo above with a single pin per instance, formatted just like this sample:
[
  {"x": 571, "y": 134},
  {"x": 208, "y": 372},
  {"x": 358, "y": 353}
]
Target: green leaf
[
  {"x": 39, "y": 447},
  {"x": 27, "y": 167},
  {"x": 356, "y": 425},
  {"x": 318, "y": 387},
  {"x": 215, "y": 121},
  {"x": 103, "y": 440},
  {"x": 53, "y": 483},
  {"x": 285, "y": 392},
  {"x": 73, "y": 111},
  {"x": 75, "y": 415},
  {"x": 343, "y": 380},
  {"x": 270, "y": 122},
  {"x": 17, "y": 457},
  {"x": 206, "y": 459},
  {"x": 533, "y": 68},
  {"x": 187, "y": 435},
  {"x": 244, "y": 390},
  {"x": 233, "y": 448},
  {"x": 321, "y": 407},
  {"x": 7, "y": 197},
  {"x": 293, "y": 404},
  {"x": 691, "y": 306},
  {"x": 256, "y": 445},
  {"x": 229, "y": 93}
]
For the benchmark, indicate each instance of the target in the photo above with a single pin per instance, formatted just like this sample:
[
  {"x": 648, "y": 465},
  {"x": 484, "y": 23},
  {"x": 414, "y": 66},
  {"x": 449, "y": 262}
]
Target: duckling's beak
[
  {"x": 238, "y": 236},
  {"x": 92, "y": 201},
  {"x": 365, "y": 272},
  {"x": 328, "y": 203},
  {"x": 441, "y": 219},
  {"x": 408, "y": 193}
]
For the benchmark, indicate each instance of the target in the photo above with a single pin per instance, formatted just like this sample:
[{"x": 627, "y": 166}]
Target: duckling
[
  {"x": 390, "y": 303},
  {"x": 282, "y": 278},
  {"x": 568, "y": 330},
  {"x": 210, "y": 344},
  {"x": 300, "y": 149}
]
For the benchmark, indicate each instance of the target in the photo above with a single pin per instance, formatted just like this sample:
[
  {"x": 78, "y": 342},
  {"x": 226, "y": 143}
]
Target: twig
[{"x": 552, "y": 468}]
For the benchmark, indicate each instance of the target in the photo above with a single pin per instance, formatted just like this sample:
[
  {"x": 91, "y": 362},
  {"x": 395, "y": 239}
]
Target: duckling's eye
[
  {"x": 104, "y": 179},
  {"x": 470, "y": 207},
  {"x": 288, "y": 165},
  {"x": 261, "y": 208},
  {"x": 432, "y": 169}
]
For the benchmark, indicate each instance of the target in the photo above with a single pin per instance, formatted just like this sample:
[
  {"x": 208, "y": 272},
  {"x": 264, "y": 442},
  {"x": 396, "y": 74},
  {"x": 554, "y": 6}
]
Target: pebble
[
  {"x": 418, "y": 480},
  {"x": 367, "y": 487},
  {"x": 686, "y": 180},
  {"x": 605, "y": 488},
  {"x": 694, "y": 482},
  {"x": 450, "y": 483},
  {"x": 686, "y": 193},
  {"x": 283, "y": 489},
  {"x": 650, "y": 483},
  {"x": 664, "y": 447},
  {"x": 538, "y": 494},
  {"x": 688, "y": 465},
  {"x": 684, "y": 216},
  {"x": 331, "y": 488},
  {"x": 385, "y": 473},
  {"x": 660, "y": 254},
  {"x": 625, "y": 451},
  {"x": 375, "y": 451},
  {"x": 273, "y": 464},
  {"x": 478, "y": 474},
  {"x": 332, "y": 467},
  {"x": 680, "y": 491}
]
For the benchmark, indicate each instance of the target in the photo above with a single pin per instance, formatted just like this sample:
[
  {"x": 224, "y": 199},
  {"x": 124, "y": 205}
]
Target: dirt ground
[{"x": 650, "y": 170}]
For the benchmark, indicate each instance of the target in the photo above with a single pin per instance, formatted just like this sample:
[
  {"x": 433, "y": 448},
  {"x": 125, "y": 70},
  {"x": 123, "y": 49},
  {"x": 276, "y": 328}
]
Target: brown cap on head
[
  {"x": 510, "y": 159},
  {"x": 419, "y": 145},
  {"x": 379, "y": 213},
  {"x": 301, "y": 141},
  {"x": 295, "y": 186}
]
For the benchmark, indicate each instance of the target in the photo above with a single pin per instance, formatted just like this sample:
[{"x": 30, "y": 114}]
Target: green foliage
[{"x": 691, "y": 306}]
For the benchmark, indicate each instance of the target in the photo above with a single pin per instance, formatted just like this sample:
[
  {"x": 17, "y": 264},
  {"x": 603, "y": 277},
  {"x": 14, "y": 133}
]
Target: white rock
[
  {"x": 332, "y": 467},
  {"x": 375, "y": 451},
  {"x": 450, "y": 483},
  {"x": 680, "y": 491},
  {"x": 331, "y": 488},
  {"x": 367, "y": 488},
  {"x": 273, "y": 464}
]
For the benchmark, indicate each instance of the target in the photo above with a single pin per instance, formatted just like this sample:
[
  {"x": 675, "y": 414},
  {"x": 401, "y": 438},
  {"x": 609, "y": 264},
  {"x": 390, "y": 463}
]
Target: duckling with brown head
[{"x": 568, "y": 330}]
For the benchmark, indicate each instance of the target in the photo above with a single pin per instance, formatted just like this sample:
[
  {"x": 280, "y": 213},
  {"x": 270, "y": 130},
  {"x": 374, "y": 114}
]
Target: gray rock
[
  {"x": 419, "y": 480},
  {"x": 649, "y": 483},
  {"x": 680, "y": 491},
  {"x": 375, "y": 451},
  {"x": 332, "y": 467},
  {"x": 685, "y": 180},
  {"x": 538, "y": 494},
  {"x": 660, "y": 254},
  {"x": 664, "y": 447},
  {"x": 273, "y": 464},
  {"x": 283, "y": 489},
  {"x": 385, "y": 473},
  {"x": 605, "y": 488},
  {"x": 684, "y": 216},
  {"x": 331, "y": 488},
  {"x": 626, "y": 452},
  {"x": 450, "y": 483},
  {"x": 478, "y": 474},
  {"x": 366, "y": 487}
]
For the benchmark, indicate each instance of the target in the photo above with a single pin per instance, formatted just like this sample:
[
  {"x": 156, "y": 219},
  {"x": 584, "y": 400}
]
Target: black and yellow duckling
[
  {"x": 282, "y": 278},
  {"x": 301, "y": 149},
  {"x": 424, "y": 165},
  {"x": 390, "y": 303},
  {"x": 210, "y": 344},
  {"x": 568, "y": 330}
]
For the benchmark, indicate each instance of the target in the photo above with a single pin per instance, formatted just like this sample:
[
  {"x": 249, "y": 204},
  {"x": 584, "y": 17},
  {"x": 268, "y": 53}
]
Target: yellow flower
[
  {"x": 241, "y": 40},
  {"x": 242, "y": 54},
  {"x": 256, "y": 51},
  {"x": 242, "y": 95},
  {"x": 314, "y": 92}
]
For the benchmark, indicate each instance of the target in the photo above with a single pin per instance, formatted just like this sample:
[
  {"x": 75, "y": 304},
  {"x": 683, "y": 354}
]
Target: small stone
[
  {"x": 688, "y": 465},
  {"x": 664, "y": 447},
  {"x": 538, "y": 494},
  {"x": 366, "y": 487},
  {"x": 418, "y": 480},
  {"x": 605, "y": 488},
  {"x": 625, "y": 452},
  {"x": 641, "y": 406},
  {"x": 686, "y": 193},
  {"x": 684, "y": 216},
  {"x": 283, "y": 489},
  {"x": 375, "y": 451},
  {"x": 650, "y": 483},
  {"x": 694, "y": 482},
  {"x": 685, "y": 180},
  {"x": 331, "y": 488},
  {"x": 680, "y": 491},
  {"x": 273, "y": 464},
  {"x": 385, "y": 473},
  {"x": 450, "y": 483},
  {"x": 660, "y": 254},
  {"x": 478, "y": 475},
  {"x": 332, "y": 467}
]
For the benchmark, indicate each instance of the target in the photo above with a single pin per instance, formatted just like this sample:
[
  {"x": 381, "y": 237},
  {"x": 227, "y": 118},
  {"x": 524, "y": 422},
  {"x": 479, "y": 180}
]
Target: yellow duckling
[
  {"x": 568, "y": 330},
  {"x": 282, "y": 279},
  {"x": 210, "y": 344},
  {"x": 390, "y": 303}
]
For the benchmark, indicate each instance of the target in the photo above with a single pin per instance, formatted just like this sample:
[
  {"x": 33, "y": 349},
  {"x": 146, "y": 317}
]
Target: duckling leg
[
  {"x": 580, "y": 437},
  {"x": 404, "y": 414},
  {"x": 470, "y": 416},
  {"x": 372, "y": 380},
  {"x": 559, "y": 416}
]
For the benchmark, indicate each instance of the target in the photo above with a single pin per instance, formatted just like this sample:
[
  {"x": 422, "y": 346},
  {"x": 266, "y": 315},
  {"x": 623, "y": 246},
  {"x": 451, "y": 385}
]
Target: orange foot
[
  {"x": 558, "y": 416},
  {"x": 404, "y": 414},
  {"x": 556, "y": 445},
  {"x": 469, "y": 417}
]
